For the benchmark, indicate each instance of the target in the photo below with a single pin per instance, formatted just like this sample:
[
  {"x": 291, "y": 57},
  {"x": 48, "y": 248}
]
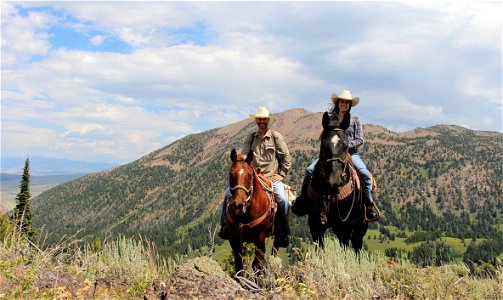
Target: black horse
[{"x": 334, "y": 187}]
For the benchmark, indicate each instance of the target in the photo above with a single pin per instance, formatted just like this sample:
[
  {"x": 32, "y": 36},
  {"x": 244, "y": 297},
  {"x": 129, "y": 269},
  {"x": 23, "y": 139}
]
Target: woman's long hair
[{"x": 347, "y": 116}]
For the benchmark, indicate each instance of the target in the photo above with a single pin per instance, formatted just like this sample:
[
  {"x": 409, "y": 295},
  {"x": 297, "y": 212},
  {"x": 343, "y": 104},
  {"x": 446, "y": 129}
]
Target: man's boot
[
  {"x": 223, "y": 233},
  {"x": 281, "y": 240},
  {"x": 282, "y": 232}
]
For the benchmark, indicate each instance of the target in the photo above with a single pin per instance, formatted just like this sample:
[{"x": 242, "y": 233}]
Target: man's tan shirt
[{"x": 266, "y": 153}]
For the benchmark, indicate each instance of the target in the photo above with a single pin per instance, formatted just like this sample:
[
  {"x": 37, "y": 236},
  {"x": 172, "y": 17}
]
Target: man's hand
[{"x": 277, "y": 177}]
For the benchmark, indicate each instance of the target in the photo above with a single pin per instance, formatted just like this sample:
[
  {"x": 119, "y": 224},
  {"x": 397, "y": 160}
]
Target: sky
[{"x": 113, "y": 81}]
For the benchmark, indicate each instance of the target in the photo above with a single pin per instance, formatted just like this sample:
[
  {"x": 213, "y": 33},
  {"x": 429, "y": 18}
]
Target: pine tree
[{"x": 22, "y": 213}]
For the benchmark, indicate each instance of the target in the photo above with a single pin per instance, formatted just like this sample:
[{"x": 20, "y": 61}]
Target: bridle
[
  {"x": 338, "y": 159},
  {"x": 247, "y": 190}
]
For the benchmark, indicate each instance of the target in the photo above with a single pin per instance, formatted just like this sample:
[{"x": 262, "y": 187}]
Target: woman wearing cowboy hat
[{"x": 342, "y": 106}]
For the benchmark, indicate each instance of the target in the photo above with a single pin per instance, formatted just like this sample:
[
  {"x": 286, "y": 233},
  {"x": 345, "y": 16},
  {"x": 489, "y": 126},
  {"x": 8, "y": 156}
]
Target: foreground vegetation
[{"x": 123, "y": 268}]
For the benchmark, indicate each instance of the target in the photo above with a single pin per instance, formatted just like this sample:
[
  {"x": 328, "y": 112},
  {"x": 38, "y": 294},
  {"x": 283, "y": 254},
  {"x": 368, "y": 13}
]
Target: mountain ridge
[{"x": 45, "y": 166}]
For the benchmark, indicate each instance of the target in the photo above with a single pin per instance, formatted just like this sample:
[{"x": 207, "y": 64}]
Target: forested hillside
[{"x": 443, "y": 179}]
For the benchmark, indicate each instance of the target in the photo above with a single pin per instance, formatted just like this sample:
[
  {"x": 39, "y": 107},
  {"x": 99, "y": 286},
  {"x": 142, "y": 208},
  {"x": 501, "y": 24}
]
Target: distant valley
[
  {"x": 45, "y": 173},
  {"x": 9, "y": 184}
]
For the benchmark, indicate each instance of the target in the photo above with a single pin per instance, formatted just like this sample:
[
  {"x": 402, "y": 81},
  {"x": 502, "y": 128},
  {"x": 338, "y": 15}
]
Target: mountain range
[
  {"x": 47, "y": 166},
  {"x": 173, "y": 195}
]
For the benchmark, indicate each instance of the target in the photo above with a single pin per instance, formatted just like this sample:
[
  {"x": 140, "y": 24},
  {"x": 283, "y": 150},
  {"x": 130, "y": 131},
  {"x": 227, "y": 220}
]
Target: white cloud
[
  {"x": 400, "y": 112},
  {"x": 414, "y": 65},
  {"x": 98, "y": 40},
  {"x": 23, "y": 37}
]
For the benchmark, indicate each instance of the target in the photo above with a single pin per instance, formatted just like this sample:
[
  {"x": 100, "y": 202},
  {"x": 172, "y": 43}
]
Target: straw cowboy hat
[
  {"x": 262, "y": 112},
  {"x": 345, "y": 95}
]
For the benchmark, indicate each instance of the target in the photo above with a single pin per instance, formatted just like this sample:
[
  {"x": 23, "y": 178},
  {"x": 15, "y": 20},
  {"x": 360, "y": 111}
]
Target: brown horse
[{"x": 250, "y": 211}]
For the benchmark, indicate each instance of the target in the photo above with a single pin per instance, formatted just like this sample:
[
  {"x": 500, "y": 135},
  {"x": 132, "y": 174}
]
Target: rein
[{"x": 352, "y": 201}]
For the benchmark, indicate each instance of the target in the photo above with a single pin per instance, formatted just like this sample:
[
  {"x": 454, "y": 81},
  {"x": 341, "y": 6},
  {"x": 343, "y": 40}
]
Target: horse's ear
[
  {"x": 326, "y": 119},
  {"x": 234, "y": 155},
  {"x": 345, "y": 121},
  {"x": 249, "y": 156}
]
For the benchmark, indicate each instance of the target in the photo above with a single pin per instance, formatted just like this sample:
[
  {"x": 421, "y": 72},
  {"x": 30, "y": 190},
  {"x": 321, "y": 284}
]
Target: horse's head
[
  {"x": 240, "y": 181},
  {"x": 333, "y": 153}
]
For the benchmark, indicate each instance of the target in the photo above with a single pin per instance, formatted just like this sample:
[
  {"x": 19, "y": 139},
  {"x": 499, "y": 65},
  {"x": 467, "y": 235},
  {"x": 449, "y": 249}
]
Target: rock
[{"x": 203, "y": 278}]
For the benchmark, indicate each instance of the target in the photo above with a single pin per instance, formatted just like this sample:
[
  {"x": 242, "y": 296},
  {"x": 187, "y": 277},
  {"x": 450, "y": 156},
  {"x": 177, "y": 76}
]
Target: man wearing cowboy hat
[
  {"x": 342, "y": 106},
  {"x": 271, "y": 156}
]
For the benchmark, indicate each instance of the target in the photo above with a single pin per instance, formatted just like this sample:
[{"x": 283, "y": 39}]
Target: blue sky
[{"x": 113, "y": 81}]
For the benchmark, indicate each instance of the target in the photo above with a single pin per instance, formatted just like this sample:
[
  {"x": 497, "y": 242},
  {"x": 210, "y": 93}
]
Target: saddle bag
[{"x": 291, "y": 194}]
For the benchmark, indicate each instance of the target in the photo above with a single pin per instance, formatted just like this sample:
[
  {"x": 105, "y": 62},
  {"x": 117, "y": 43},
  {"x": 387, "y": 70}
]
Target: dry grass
[
  {"x": 121, "y": 268},
  {"x": 339, "y": 274}
]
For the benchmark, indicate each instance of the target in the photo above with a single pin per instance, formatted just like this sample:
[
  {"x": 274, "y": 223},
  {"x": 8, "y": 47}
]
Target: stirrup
[{"x": 378, "y": 213}]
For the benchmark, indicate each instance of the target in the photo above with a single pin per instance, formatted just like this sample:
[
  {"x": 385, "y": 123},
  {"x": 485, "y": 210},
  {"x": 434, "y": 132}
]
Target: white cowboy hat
[
  {"x": 345, "y": 95},
  {"x": 262, "y": 112}
]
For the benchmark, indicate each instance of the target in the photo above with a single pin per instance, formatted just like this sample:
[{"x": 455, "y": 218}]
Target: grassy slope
[{"x": 376, "y": 245}]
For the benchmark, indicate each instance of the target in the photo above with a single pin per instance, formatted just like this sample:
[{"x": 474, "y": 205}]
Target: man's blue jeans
[
  {"x": 360, "y": 167},
  {"x": 279, "y": 193}
]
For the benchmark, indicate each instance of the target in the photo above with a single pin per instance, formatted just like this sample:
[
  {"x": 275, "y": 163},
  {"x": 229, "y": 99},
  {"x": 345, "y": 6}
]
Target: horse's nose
[
  {"x": 333, "y": 187},
  {"x": 240, "y": 208}
]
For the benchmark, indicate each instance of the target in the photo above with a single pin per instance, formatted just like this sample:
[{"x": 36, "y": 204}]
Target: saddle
[{"x": 345, "y": 190}]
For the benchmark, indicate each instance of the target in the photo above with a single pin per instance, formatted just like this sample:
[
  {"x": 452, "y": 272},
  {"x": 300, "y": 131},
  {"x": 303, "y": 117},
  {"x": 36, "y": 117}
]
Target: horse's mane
[{"x": 240, "y": 158}]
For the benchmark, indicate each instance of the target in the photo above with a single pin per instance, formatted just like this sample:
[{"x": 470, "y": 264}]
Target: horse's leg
[
  {"x": 317, "y": 230},
  {"x": 259, "y": 253},
  {"x": 236, "y": 251},
  {"x": 343, "y": 233},
  {"x": 357, "y": 238}
]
